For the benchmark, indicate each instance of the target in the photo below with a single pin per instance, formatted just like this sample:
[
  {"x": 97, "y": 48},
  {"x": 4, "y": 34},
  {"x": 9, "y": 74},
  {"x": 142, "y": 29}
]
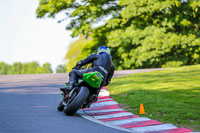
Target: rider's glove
[{"x": 78, "y": 65}]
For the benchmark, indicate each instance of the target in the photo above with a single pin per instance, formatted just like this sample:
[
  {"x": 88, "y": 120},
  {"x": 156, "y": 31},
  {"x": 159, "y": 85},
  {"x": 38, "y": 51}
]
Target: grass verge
[{"x": 169, "y": 96}]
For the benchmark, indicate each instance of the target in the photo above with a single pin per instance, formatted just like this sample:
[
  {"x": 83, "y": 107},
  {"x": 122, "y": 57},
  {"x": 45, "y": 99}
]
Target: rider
[{"x": 101, "y": 62}]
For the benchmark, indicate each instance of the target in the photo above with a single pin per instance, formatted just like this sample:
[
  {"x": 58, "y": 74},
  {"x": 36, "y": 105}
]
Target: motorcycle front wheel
[{"x": 60, "y": 107}]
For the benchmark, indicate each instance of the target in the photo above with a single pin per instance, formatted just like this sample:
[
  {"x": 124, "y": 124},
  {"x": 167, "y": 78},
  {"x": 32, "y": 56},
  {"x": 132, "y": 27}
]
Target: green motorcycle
[{"x": 83, "y": 94}]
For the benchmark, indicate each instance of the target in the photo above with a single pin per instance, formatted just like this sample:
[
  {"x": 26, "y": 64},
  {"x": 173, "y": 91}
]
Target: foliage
[
  {"x": 24, "y": 68},
  {"x": 61, "y": 69},
  {"x": 4, "y": 68},
  {"x": 154, "y": 47},
  {"x": 83, "y": 13},
  {"x": 78, "y": 50},
  {"x": 169, "y": 96},
  {"x": 47, "y": 68},
  {"x": 141, "y": 33}
]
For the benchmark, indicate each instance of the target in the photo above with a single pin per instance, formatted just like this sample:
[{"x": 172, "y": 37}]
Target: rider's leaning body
[{"x": 101, "y": 62}]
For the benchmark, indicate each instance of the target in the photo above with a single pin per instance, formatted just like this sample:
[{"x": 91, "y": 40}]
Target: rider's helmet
[{"x": 103, "y": 49}]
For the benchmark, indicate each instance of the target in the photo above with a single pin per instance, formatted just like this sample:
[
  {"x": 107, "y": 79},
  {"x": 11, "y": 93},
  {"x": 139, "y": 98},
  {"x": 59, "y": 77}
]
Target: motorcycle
[{"x": 82, "y": 95}]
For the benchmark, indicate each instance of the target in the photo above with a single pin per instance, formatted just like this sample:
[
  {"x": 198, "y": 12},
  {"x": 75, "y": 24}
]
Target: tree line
[
  {"x": 29, "y": 68},
  {"x": 140, "y": 33}
]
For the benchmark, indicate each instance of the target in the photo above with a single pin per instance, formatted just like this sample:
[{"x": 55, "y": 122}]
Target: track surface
[{"x": 28, "y": 104}]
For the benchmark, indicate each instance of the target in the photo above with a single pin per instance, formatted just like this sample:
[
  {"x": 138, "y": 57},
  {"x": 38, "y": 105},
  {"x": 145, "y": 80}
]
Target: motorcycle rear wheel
[{"x": 76, "y": 103}]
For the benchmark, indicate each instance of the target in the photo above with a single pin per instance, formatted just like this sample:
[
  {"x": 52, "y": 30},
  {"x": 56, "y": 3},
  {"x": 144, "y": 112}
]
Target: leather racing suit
[{"x": 100, "y": 62}]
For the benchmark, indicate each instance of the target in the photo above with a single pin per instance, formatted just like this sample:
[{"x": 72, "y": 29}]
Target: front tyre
[
  {"x": 76, "y": 103},
  {"x": 60, "y": 106}
]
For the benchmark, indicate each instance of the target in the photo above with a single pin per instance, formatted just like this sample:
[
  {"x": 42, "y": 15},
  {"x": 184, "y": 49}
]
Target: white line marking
[
  {"x": 104, "y": 93},
  {"x": 102, "y": 90},
  {"x": 104, "y": 99},
  {"x": 112, "y": 115},
  {"x": 104, "y": 103},
  {"x": 153, "y": 128},
  {"x": 102, "y": 111},
  {"x": 84, "y": 115},
  {"x": 125, "y": 121}
]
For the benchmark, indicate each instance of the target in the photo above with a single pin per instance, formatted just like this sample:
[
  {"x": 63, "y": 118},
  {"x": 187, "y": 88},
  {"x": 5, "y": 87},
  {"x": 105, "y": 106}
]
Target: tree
[
  {"x": 16, "y": 68},
  {"x": 47, "y": 68},
  {"x": 156, "y": 33},
  {"x": 82, "y": 13},
  {"x": 141, "y": 33},
  {"x": 61, "y": 69},
  {"x": 24, "y": 68},
  {"x": 78, "y": 50},
  {"x": 4, "y": 68},
  {"x": 32, "y": 67}
]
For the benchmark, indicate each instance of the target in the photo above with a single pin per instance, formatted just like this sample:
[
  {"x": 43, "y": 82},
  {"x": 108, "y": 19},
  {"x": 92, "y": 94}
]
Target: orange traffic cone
[{"x": 141, "y": 109}]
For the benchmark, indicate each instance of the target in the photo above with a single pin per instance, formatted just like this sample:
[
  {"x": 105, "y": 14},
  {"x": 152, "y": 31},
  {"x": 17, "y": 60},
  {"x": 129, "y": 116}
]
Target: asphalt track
[{"x": 28, "y": 104}]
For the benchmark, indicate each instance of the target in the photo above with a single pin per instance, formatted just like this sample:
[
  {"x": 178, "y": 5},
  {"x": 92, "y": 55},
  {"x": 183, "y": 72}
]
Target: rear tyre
[{"x": 76, "y": 103}]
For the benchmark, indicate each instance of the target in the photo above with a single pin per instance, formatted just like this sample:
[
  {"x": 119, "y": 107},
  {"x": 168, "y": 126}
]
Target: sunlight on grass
[{"x": 170, "y": 95}]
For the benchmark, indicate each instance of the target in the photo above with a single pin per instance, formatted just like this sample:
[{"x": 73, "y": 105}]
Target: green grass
[{"x": 169, "y": 96}]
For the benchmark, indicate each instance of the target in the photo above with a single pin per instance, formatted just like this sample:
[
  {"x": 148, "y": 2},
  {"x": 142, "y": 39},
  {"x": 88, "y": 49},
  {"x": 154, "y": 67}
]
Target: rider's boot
[
  {"x": 93, "y": 98},
  {"x": 65, "y": 88},
  {"x": 68, "y": 88},
  {"x": 71, "y": 86},
  {"x": 73, "y": 80}
]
